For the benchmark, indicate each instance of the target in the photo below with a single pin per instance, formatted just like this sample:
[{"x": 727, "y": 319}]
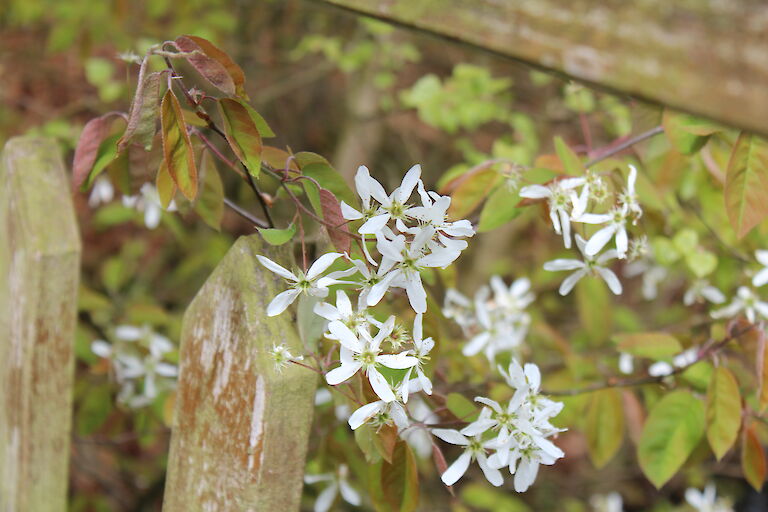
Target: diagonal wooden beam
[{"x": 707, "y": 58}]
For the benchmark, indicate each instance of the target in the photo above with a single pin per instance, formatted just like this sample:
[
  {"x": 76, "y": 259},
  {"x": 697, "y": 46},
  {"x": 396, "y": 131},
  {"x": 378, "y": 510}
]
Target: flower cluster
[
  {"x": 496, "y": 320},
  {"x": 137, "y": 356},
  {"x": 569, "y": 200},
  {"x": 517, "y": 434},
  {"x": 747, "y": 301}
]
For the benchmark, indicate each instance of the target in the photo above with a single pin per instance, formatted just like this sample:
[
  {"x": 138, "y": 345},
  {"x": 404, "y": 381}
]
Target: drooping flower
[
  {"x": 148, "y": 201},
  {"x": 474, "y": 449},
  {"x": 420, "y": 352},
  {"x": 338, "y": 482},
  {"x": 589, "y": 265}
]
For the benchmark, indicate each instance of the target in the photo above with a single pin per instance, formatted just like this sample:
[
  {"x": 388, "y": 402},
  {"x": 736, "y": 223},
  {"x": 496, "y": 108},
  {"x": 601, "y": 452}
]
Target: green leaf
[
  {"x": 753, "y": 463},
  {"x": 570, "y": 160},
  {"x": 166, "y": 188},
  {"x": 106, "y": 154},
  {"x": 500, "y": 208},
  {"x": 482, "y": 496},
  {"x": 686, "y": 240},
  {"x": 701, "y": 262},
  {"x": 746, "y": 183},
  {"x": 177, "y": 148},
  {"x": 653, "y": 345},
  {"x": 274, "y": 236},
  {"x": 319, "y": 169},
  {"x": 400, "y": 481},
  {"x": 471, "y": 190},
  {"x": 671, "y": 432},
  {"x": 367, "y": 440},
  {"x": 687, "y": 133},
  {"x": 605, "y": 425},
  {"x": 595, "y": 306},
  {"x": 142, "y": 119},
  {"x": 723, "y": 411},
  {"x": 210, "y": 203},
  {"x": 242, "y": 134},
  {"x": 461, "y": 407}
]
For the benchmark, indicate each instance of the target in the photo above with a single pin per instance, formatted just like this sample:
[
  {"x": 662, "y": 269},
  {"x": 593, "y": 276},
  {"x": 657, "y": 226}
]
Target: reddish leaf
[
  {"x": 93, "y": 134},
  {"x": 400, "y": 480},
  {"x": 471, "y": 192},
  {"x": 242, "y": 134},
  {"x": 387, "y": 440},
  {"x": 339, "y": 233},
  {"x": 762, "y": 367},
  {"x": 746, "y": 182},
  {"x": 208, "y": 66},
  {"x": 143, "y": 115},
  {"x": 177, "y": 148},
  {"x": 753, "y": 462},
  {"x": 235, "y": 72}
]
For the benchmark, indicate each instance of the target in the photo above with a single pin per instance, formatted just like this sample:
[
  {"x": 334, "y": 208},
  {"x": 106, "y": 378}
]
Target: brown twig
[{"x": 604, "y": 153}]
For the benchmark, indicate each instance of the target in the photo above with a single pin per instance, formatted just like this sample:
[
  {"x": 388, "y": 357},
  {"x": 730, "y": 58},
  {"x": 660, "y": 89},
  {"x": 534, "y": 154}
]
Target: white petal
[
  {"x": 345, "y": 336},
  {"x": 152, "y": 215},
  {"x": 166, "y": 370},
  {"x": 281, "y": 302},
  {"x": 321, "y": 264},
  {"x": 570, "y": 281},
  {"x": 493, "y": 404},
  {"x": 450, "y": 436},
  {"x": 760, "y": 278},
  {"x": 526, "y": 474},
  {"x": 325, "y": 498},
  {"x": 365, "y": 413},
  {"x": 417, "y": 296},
  {"x": 327, "y": 311},
  {"x": 374, "y": 224},
  {"x": 350, "y": 213},
  {"x": 610, "y": 279},
  {"x": 409, "y": 183},
  {"x": 622, "y": 242},
  {"x": 129, "y": 332},
  {"x": 350, "y": 495},
  {"x": 478, "y": 427},
  {"x": 563, "y": 264},
  {"x": 535, "y": 192},
  {"x": 493, "y": 475},
  {"x": 399, "y": 361},
  {"x": 599, "y": 239},
  {"x": 476, "y": 344},
  {"x": 342, "y": 373},
  {"x": 101, "y": 348},
  {"x": 457, "y": 469},
  {"x": 380, "y": 385},
  {"x": 762, "y": 256},
  {"x": 277, "y": 269},
  {"x": 594, "y": 218},
  {"x": 378, "y": 290}
]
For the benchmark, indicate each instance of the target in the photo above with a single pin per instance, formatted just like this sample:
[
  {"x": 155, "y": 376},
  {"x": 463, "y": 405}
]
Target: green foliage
[
  {"x": 604, "y": 425},
  {"x": 723, "y": 411}
]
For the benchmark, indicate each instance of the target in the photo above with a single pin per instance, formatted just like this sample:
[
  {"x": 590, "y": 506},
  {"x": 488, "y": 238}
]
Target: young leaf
[
  {"x": 753, "y": 463},
  {"x": 605, "y": 425},
  {"x": 687, "y": 133},
  {"x": 319, "y": 169},
  {"x": 723, "y": 411},
  {"x": 570, "y": 160},
  {"x": 242, "y": 134},
  {"x": 93, "y": 134},
  {"x": 210, "y": 68},
  {"x": 210, "y": 203},
  {"x": 500, "y": 208},
  {"x": 400, "y": 480},
  {"x": 472, "y": 191},
  {"x": 166, "y": 187},
  {"x": 275, "y": 236},
  {"x": 746, "y": 182},
  {"x": 177, "y": 148},
  {"x": 673, "y": 429},
  {"x": 105, "y": 156},
  {"x": 653, "y": 345},
  {"x": 338, "y": 231},
  {"x": 142, "y": 119},
  {"x": 235, "y": 72}
]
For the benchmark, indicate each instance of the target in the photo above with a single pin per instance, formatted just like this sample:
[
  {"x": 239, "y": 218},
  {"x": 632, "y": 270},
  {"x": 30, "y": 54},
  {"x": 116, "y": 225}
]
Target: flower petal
[
  {"x": 281, "y": 302},
  {"x": 380, "y": 385},
  {"x": 321, "y": 264},
  {"x": 277, "y": 269},
  {"x": 342, "y": 373},
  {"x": 457, "y": 469},
  {"x": 365, "y": 413}
]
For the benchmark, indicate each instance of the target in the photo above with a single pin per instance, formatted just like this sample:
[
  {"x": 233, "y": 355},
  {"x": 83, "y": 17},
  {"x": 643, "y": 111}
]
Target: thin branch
[
  {"x": 244, "y": 214},
  {"x": 641, "y": 381},
  {"x": 618, "y": 148}
]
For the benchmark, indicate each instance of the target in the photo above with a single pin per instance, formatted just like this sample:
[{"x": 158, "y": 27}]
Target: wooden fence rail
[
  {"x": 708, "y": 58},
  {"x": 39, "y": 272},
  {"x": 241, "y": 428}
]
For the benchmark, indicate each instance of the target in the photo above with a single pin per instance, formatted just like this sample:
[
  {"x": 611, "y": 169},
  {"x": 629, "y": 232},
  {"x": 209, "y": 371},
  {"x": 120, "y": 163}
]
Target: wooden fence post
[
  {"x": 240, "y": 431},
  {"x": 39, "y": 272}
]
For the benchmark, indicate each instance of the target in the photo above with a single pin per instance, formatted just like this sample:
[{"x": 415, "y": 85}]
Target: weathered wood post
[
  {"x": 240, "y": 431},
  {"x": 39, "y": 272}
]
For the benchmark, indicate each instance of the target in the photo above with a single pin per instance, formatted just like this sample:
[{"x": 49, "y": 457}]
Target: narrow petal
[
  {"x": 761, "y": 277},
  {"x": 101, "y": 348},
  {"x": 321, "y": 264},
  {"x": 493, "y": 475},
  {"x": 374, "y": 224},
  {"x": 365, "y": 413},
  {"x": 535, "y": 192},
  {"x": 599, "y": 239},
  {"x": 570, "y": 281},
  {"x": 397, "y": 361},
  {"x": 277, "y": 269},
  {"x": 350, "y": 213},
  {"x": 417, "y": 296},
  {"x": 326, "y": 498},
  {"x": 380, "y": 385},
  {"x": 281, "y": 302},
  {"x": 345, "y": 336},
  {"x": 410, "y": 180},
  {"x": 457, "y": 469},
  {"x": 563, "y": 264},
  {"x": 349, "y": 494},
  {"x": 342, "y": 373},
  {"x": 450, "y": 436},
  {"x": 610, "y": 279}
]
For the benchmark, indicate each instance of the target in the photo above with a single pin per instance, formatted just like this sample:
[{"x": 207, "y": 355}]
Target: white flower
[
  {"x": 616, "y": 220},
  {"x": 681, "y": 360},
  {"x": 310, "y": 283},
  {"x": 558, "y": 198},
  {"x": 700, "y": 291},
  {"x": 364, "y": 184},
  {"x": 343, "y": 311},
  {"x": 610, "y": 502},
  {"x": 746, "y": 300},
  {"x": 628, "y": 197},
  {"x": 102, "y": 192},
  {"x": 148, "y": 201},
  {"x": 474, "y": 449},
  {"x": 434, "y": 211},
  {"x": 362, "y": 352},
  {"x": 282, "y": 356},
  {"x": 589, "y": 265},
  {"x": 653, "y": 275},
  {"x": 421, "y": 350},
  {"x": 459, "y": 308},
  {"x": 762, "y": 276},
  {"x": 707, "y": 501},
  {"x": 379, "y": 413},
  {"x": 626, "y": 363},
  {"x": 338, "y": 482},
  {"x": 416, "y": 435},
  {"x": 393, "y": 206}
]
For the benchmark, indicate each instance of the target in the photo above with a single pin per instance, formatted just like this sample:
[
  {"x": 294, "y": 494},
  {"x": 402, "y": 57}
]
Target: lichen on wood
[
  {"x": 706, "y": 57},
  {"x": 39, "y": 272},
  {"x": 241, "y": 427}
]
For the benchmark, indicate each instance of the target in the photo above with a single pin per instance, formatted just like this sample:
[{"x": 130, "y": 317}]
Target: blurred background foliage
[{"x": 361, "y": 92}]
